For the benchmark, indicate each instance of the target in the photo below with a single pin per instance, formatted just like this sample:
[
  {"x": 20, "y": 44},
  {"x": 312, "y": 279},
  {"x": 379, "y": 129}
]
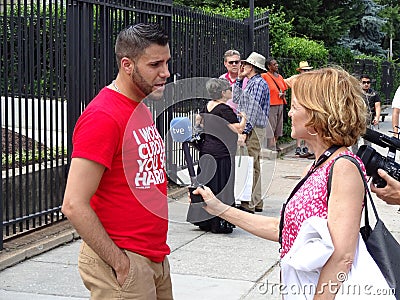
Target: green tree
[
  {"x": 366, "y": 36},
  {"x": 279, "y": 28},
  {"x": 321, "y": 20},
  {"x": 391, "y": 14}
]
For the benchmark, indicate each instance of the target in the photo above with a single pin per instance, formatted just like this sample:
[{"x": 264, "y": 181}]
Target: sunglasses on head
[
  {"x": 366, "y": 82},
  {"x": 236, "y": 62}
]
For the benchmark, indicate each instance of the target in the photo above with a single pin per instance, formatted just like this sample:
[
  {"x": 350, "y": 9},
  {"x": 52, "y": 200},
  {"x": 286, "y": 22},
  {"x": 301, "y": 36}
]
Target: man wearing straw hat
[{"x": 254, "y": 101}]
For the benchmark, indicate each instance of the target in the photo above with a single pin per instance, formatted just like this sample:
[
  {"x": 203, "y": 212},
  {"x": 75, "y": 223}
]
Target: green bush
[
  {"x": 341, "y": 55},
  {"x": 30, "y": 157},
  {"x": 302, "y": 49},
  {"x": 279, "y": 28},
  {"x": 292, "y": 50}
]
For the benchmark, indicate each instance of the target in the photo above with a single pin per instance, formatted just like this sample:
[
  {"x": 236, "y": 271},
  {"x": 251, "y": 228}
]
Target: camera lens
[
  {"x": 377, "y": 162},
  {"x": 372, "y": 161}
]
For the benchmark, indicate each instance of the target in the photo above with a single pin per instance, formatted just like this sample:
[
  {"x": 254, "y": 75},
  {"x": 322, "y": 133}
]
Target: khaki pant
[
  {"x": 146, "y": 279},
  {"x": 253, "y": 142}
]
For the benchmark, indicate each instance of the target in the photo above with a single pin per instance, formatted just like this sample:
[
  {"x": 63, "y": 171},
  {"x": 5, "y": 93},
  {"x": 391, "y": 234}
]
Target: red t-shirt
[{"x": 131, "y": 200}]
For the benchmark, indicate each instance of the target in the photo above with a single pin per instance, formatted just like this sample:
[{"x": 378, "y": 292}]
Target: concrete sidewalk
[{"x": 203, "y": 265}]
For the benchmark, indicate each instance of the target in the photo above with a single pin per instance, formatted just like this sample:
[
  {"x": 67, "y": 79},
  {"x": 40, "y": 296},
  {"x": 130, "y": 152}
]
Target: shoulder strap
[
  {"x": 367, "y": 192},
  {"x": 316, "y": 164},
  {"x": 354, "y": 161},
  {"x": 279, "y": 89}
]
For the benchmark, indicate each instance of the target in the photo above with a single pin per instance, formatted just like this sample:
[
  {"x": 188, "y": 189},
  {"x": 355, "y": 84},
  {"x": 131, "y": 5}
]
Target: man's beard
[{"x": 144, "y": 86}]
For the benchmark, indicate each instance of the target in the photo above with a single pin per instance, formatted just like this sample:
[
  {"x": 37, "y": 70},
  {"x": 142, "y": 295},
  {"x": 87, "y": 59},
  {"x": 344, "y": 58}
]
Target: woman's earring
[{"x": 313, "y": 134}]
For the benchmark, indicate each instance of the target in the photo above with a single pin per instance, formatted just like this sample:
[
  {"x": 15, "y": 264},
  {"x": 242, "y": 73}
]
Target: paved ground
[{"x": 203, "y": 265}]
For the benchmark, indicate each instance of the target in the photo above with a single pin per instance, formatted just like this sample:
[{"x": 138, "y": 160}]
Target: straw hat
[
  {"x": 303, "y": 65},
  {"x": 257, "y": 60}
]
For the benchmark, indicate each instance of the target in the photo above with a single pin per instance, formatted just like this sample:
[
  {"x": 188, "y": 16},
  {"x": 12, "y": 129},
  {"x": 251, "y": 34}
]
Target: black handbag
[{"x": 381, "y": 244}]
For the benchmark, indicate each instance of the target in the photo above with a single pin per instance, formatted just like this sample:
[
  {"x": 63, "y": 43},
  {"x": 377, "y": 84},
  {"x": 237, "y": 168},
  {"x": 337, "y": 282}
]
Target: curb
[
  {"x": 285, "y": 148},
  {"x": 13, "y": 256}
]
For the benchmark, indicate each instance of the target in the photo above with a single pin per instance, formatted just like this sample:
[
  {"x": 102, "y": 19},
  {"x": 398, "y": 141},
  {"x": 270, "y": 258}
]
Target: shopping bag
[
  {"x": 380, "y": 243},
  {"x": 243, "y": 175},
  {"x": 383, "y": 247}
]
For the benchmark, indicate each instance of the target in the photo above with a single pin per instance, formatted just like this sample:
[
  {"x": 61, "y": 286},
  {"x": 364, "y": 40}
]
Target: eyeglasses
[
  {"x": 366, "y": 82},
  {"x": 236, "y": 62}
]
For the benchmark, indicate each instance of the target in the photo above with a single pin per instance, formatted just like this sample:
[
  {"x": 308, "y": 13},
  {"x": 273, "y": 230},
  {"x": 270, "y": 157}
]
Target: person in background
[
  {"x": 396, "y": 112},
  {"x": 321, "y": 101},
  {"x": 123, "y": 221},
  {"x": 373, "y": 102},
  {"x": 232, "y": 65},
  {"x": 221, "y": 128},
  {"x": 299, "y": 151},
  {"x": 277, "y": 90},
  {"x": 254, "y": 102}
]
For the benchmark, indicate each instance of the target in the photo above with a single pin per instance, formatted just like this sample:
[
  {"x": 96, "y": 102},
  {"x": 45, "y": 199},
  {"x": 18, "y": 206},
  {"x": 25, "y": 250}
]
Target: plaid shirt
[{"x": 253, "y": 101}]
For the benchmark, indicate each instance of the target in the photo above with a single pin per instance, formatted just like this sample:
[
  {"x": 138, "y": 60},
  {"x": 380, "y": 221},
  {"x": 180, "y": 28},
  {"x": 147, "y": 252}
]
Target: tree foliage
[
  {"x": 360, "y": 25},
  {"x": 322, "y": 20},
  {"x": 366, "y": 36},
  {"x": 279, "y": 28},
  {"x": 391, "y": 13},
  {"x": 303, "y": 49}
]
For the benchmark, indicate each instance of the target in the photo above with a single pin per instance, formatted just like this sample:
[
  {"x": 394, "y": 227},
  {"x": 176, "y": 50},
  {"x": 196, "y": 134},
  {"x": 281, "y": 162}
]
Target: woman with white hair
[{"x": 217, "y": 153}]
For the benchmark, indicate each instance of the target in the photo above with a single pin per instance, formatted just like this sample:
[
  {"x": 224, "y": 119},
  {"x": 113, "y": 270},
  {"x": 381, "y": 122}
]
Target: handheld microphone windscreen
[{"x": 181, "y": 129}]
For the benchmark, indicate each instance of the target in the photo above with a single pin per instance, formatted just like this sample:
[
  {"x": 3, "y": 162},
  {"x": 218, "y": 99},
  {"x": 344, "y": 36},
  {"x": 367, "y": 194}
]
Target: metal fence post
[{"x": 251, "y": 26}]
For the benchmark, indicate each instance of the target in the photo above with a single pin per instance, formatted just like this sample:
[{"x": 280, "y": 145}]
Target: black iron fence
[
  {"x": 55, "y": 56},
  {"x": 33, "y": 114}
]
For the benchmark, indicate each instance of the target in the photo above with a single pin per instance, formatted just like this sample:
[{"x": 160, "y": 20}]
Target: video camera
[{"x": 374, "y": 161}]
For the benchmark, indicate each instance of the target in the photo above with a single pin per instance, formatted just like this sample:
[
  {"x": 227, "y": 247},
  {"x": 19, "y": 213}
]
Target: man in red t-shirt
[{"x": 116, "y": 194}]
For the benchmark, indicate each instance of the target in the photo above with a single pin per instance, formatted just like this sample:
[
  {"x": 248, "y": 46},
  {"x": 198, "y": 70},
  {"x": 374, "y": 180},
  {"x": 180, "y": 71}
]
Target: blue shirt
[{"x": 253, "y": 101}]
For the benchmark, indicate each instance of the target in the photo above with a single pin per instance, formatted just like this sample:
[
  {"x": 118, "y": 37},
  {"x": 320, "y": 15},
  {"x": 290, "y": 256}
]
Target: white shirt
[
  {"x": 396, "y": 99},
  {"x": 301, "y": 267}
]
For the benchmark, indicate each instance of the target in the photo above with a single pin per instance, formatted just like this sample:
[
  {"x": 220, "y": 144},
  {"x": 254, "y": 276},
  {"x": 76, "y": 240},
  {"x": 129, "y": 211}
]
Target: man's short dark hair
[
  {"x": 365, "y": 76},
  {"x": 133, "y": 40},
  {"x": 268, "y": 61}
]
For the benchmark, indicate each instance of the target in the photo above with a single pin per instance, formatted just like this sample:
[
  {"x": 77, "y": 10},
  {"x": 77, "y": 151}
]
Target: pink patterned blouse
[{"x": 310, "y": 200}]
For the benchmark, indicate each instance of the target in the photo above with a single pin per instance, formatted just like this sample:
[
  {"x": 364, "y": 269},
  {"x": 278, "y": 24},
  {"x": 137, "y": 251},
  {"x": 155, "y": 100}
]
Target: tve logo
[
  {"x": 181, "y": 129},
  {"x": 178, "y": 131}
]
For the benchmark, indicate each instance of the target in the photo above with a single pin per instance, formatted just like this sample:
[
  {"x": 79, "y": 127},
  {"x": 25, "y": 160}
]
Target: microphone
[
  {"x": 181, "y": 132},
  {"x": 181, "y": 129},
  {"x": 381, "y": 139}
]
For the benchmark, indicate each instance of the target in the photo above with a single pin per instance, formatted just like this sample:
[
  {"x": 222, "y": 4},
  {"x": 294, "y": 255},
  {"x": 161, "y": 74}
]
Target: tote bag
[
  {"x": 243, "y": 175},
  {"x": 381, "y": 244}
]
